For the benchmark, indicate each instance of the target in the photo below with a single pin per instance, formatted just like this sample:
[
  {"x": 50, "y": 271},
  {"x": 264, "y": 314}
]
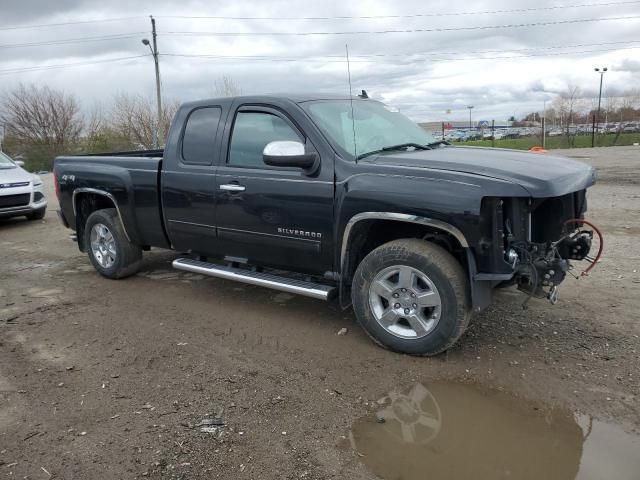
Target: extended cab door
[
  {"x": 188, "y": 177},
  {"x": 274, "y": 216}
]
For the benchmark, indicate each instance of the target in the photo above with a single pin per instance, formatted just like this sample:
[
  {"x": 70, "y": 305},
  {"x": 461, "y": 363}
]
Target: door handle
[{"x": 232, "y": 187}]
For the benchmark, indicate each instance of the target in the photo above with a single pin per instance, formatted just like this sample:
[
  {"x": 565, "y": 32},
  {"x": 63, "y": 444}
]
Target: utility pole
[
  {"x": 470, "y": 125},
  {"x": 153, "y": 46},
  {"x": 593, "y": 133}
]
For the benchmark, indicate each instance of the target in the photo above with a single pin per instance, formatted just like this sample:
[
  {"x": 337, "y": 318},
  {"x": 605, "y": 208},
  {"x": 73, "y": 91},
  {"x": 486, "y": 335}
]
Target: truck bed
[{"x": 132, "y": 178}]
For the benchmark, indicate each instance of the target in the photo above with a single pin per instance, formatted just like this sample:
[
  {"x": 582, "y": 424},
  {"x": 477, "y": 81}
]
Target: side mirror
[
  {"x": 19, "y": 163},
  {"x": 289, "y": 154}
]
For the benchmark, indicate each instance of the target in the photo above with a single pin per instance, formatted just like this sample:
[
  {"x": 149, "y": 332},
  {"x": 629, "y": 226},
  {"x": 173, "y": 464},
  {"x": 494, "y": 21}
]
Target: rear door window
[{"x": 199, "y": 141}]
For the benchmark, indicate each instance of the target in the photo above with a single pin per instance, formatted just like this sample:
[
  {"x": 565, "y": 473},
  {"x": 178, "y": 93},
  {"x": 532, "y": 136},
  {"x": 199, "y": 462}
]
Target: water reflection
[{"x": 460, "y": 431}]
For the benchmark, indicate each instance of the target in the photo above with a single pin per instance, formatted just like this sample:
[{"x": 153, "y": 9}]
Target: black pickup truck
[{"x": 335, "y": 197}]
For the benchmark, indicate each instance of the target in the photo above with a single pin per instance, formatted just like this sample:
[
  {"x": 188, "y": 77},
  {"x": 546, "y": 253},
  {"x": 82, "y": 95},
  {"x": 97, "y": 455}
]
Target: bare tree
[
  {"x": 99, "y": 135},
  {"x": 568, "y": 104},
  {"x": 634, "y": 95},
  {"x": 226, "y": 86},
  {"x": 40, "y": 123},
  {"x": 95, "y": 120},
  {"x": 611, "y": 107},
  {"x": 630, "y": 105},
  {"x": 550, "y": 114},
  {"x": 134, "y": 117},
  {"x": 42, "y": 116}
]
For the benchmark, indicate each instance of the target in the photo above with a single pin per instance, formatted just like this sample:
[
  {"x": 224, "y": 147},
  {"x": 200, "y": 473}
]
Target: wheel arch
[
  {"x": 85, "y": 201},
  {"x": 367, "y": 230}
]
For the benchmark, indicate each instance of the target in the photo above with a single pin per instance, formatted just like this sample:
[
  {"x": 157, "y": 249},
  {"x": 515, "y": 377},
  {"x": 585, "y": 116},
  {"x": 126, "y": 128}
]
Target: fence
[{"x": 524, "y": 138}]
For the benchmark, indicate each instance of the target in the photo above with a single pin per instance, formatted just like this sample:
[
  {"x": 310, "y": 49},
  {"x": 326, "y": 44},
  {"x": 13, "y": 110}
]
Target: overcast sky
[{"x": 425, "y": 73}]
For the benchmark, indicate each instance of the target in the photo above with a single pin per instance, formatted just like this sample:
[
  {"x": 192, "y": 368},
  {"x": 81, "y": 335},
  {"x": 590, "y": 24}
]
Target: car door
[
  {"x": 188, "y": 179},
  {"x": 273, "y": 216}
]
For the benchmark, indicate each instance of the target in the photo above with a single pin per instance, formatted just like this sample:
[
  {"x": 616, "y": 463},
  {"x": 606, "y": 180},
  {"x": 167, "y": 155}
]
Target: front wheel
[
  {"x": 412, "y": 296},
  {"x": 109, "y": 250}
]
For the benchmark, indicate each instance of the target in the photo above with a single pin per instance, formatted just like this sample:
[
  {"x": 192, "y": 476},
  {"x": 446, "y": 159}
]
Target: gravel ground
[{"x": 112, "y": 379}]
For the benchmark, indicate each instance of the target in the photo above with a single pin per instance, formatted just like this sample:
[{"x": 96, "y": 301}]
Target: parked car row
[
  {"x": 587, "y": 129},
  {"x": 630, "y": 127},
  {"x": 498, "y": 133}
]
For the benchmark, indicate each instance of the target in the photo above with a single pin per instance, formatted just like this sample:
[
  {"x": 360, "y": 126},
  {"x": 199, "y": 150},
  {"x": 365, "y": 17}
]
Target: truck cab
[{"x": 235, "y": 203}]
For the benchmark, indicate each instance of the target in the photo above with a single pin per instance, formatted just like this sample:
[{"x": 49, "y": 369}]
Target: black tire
[
  {"x": 37, "y": 215},
  {"x": 445, "y": 273},
  {"x": 128, "y": 256}
]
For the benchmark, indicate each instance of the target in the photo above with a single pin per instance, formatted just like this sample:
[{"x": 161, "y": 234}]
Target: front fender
[{"x": 452, "y": 202}]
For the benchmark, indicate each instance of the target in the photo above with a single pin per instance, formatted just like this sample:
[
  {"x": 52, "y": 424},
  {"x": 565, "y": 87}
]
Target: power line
[
  {"x": 414, "y": 15},
  {"x": 65, "y": 41},
  {"x": 336, "y": 17},
  {"x": 413, "y": 54},
  {"x": 552, "y": 47},
  {"x": 66, "y": 65},
  {"x": 411, "y": 30},
  {"x": 120, "y": 36},
  {"x": 79, "y": 22},
  {"x": 278, "y": 59},
  {"x": 261, "y": 58},
  {"x": 554, "y": 54},
  {"x": 336, "y": 60}
]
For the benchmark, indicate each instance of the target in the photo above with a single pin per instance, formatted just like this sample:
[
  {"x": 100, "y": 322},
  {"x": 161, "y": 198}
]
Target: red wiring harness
[{"x": 600, "y": 237}]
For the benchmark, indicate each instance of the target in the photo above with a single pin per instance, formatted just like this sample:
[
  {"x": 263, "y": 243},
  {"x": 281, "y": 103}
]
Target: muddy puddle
[{"x": 459, "y": 431}]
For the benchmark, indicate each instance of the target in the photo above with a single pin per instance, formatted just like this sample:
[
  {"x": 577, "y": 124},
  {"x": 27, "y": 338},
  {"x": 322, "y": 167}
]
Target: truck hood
[{"x": 541, "y": 174}]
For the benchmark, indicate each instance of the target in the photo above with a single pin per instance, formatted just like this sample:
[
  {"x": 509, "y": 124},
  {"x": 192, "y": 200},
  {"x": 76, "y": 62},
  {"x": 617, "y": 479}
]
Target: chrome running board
[{"x": 284, "y": 284}]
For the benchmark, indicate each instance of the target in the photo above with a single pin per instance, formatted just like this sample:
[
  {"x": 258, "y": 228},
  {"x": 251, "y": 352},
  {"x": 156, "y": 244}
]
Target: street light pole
[
  {"x": 154, "y": 53},
  {"x": 601, "y": 71},
  {"x": 544, "y": 123},
  {"x": 470, "y": 124}
]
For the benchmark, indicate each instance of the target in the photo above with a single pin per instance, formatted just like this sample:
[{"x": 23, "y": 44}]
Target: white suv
[{"x": 20, "y": 192}]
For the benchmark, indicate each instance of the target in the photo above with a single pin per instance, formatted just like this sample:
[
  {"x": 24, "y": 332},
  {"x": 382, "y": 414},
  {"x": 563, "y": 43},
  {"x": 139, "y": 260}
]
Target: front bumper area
[{"x": 37, "y": 201}]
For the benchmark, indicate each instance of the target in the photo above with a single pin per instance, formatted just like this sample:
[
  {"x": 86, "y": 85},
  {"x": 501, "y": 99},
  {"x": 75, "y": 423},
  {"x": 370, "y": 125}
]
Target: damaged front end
[
  {"x": 536, "y": 241},
  {"x": 541, "y": 267}
]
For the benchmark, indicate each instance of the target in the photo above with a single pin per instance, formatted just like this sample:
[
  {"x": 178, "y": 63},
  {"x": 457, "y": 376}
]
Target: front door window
[{"x": 252, "y": 131}]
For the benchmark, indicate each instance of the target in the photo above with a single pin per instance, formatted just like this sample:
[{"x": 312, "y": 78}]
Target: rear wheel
[
  {"x": 412, "y": 296},
  {"x": 109, "y": 250}
]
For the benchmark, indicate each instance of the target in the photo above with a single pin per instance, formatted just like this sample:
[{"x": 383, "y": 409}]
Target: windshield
[
  {"x": 376, "y": 126},
  {"x": 5, "y": 161}
]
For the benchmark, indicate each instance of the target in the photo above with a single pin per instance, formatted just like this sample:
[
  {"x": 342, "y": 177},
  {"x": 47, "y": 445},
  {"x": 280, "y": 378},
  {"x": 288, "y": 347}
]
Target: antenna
[{"x": 353, "y": 118}]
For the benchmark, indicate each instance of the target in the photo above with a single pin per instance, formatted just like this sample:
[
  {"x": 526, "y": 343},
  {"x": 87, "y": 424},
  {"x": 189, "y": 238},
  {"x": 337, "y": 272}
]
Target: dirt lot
[{"x": 107, "y": 379}]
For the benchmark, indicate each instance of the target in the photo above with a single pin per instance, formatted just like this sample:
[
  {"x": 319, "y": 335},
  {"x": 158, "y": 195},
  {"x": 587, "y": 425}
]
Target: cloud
[
  {"x": 629, "y": 65},
  {"x": 501, "y": 71}
]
